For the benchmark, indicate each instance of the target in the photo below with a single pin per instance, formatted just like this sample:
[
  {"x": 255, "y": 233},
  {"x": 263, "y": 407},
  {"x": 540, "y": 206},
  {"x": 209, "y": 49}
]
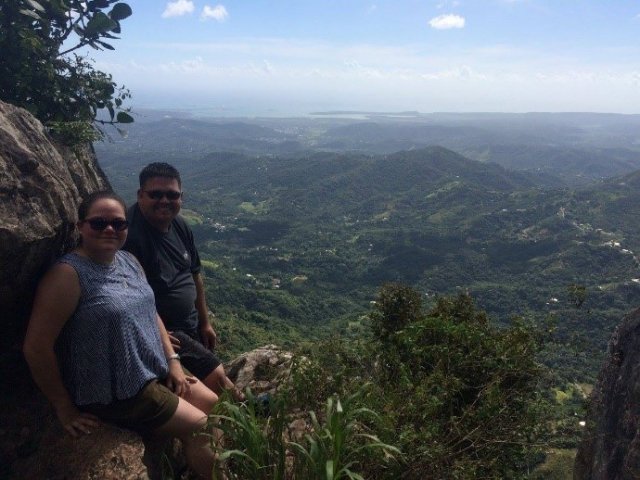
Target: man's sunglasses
[
  {"x": 159, "y": 194},
  {"x": 99, "y": 224}
]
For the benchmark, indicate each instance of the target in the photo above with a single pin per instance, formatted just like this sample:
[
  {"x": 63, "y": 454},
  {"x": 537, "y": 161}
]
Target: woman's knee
[
  {"x": 201, "y": 397},
  {"x": 200, "y": 424}
]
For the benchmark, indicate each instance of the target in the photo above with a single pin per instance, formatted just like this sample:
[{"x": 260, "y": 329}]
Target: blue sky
[{"x": 258, "y": 57}]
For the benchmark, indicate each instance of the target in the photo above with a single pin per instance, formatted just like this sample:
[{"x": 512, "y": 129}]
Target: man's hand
[
  {"x": 208, "y": 336},
  {"x": 175, "y": 343}
]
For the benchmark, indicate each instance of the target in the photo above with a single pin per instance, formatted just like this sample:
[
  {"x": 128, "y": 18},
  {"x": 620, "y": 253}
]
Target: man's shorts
[
  {"x": 147, "y": 410},
  {"x": 193, "y": 354}
]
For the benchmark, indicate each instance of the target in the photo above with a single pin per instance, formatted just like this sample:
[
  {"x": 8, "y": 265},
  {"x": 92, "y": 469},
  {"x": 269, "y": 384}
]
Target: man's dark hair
[{"x": 159, "y": 169}]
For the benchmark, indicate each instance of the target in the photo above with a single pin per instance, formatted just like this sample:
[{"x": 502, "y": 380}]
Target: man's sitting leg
[{"x": 218, "y": 381}]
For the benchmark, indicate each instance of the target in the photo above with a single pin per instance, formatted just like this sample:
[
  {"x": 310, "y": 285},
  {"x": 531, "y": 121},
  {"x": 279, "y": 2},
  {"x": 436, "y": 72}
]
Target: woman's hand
[
  {"x": 177, "y": 381},
  {"x": 76, "y": 422}
]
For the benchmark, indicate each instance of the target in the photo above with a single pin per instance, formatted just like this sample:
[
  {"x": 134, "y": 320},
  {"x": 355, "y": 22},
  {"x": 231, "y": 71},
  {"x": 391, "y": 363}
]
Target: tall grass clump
[
  {"x": 252, "y": 446},
  {"x": 340, "y": 446},
  {"x": 336, "y": 443}
]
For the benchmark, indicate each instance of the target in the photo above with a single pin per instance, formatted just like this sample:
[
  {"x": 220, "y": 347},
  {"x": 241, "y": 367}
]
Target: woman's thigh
[
  {"x": 186, "y": 420},
  {"x": 191, "y": 414}
]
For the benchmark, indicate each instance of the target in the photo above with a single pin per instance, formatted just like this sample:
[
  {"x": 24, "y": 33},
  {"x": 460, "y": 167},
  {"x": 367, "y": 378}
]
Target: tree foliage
[
  {"x": 460, "y": 397},
  {"x": 462, "y": 394},
  {"x": 577, "y": 294},
  {"x": 41, "y": 68}
]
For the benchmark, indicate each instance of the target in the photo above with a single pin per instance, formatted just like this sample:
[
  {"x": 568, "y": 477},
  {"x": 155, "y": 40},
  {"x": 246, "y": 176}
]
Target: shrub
[
  {"x": 462, "y": 395},
  {"x": 456, "y": 395}
]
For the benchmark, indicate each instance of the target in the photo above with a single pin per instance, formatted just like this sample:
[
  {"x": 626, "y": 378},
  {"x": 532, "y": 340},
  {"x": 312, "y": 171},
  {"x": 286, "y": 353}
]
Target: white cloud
[
  {"x": 353, "y": 67},
  {"x": 354, "y": 81},
  {"x": 218, "y": 13},
  {"x": 352, "y": 64},
  {"x": 445, "y": 22},
  {"x": 178, "y": 8}
]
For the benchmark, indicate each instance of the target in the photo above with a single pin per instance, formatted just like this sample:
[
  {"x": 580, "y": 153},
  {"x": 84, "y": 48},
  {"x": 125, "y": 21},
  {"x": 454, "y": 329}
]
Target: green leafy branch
[{"x": 58, "y": 85}]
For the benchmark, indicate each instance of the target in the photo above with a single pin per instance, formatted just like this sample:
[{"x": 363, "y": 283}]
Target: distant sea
[{"x": 234, "y": 107}]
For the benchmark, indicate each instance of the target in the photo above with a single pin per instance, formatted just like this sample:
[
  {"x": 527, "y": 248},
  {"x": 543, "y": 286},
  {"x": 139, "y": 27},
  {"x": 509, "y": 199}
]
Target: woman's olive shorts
[{"x": 149, "y": 409}]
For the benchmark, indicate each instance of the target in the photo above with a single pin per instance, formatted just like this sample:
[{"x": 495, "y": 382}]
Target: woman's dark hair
[
  {"x": 86, "y": 204},
  {"x": 159, "y": 169}
]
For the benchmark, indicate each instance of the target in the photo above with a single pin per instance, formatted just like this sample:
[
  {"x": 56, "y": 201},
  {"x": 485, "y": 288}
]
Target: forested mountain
[
  {"x": 572, "y": 165},
  {"x": 294, "y": 244},
  {"x": 559, "y": 149}
]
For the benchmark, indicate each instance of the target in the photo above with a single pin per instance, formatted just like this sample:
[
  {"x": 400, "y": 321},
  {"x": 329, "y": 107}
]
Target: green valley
[{"x": 296, "y": 244}]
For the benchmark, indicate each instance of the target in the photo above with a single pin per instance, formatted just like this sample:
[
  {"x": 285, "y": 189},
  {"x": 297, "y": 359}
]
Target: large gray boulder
[
  {"x": 610, "y": 449},
  {"x": 41, "y": 184},
  {"x": 261, "y": 370}
]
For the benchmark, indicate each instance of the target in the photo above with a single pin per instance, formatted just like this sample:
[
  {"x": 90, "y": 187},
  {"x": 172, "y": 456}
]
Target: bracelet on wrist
[{"x": 175, "y": 356}]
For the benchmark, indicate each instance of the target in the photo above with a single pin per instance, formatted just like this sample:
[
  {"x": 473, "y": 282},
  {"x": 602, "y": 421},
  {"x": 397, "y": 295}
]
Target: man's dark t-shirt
[{"x": 169, "y": 260}]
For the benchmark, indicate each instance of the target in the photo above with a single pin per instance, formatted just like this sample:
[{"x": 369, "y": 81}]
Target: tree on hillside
[
  {"x": 463, "y": 395},
  {"x": 458, "y": 396},
  {"x": 42, "y": 70}
]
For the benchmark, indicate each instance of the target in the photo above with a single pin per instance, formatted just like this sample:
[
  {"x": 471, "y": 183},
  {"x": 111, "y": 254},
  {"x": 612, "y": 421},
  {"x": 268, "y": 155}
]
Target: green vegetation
[
  {"x": 456, "y": 396},
  {"x": 464, "y": 395},
  {"x": 428, "y": 218},
  {"x": 192, "y": 218},
  {"x": 557, "y": 466},
  {"x": 317, "y": 233},
  {"x": 510, "y": 249},
  {"x": 336, "y": 447},
  {"x": 42, "y": 71}
]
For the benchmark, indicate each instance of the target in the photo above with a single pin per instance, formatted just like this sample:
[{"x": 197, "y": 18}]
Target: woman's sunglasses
[
  {"x": 159, "y": 194},
  {"x": 99, "y": 224}
]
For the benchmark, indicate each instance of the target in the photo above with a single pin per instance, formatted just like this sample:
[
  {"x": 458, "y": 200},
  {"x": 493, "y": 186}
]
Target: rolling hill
[{"x": 296, "y": 245}]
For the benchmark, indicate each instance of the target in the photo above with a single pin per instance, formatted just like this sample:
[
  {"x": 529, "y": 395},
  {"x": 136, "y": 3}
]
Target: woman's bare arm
[{"x": 56, "y": 298}]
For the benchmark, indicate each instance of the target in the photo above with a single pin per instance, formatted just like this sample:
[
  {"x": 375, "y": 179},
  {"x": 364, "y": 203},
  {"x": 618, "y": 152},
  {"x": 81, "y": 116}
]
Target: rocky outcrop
[
  {"x": 260, "y": 370},
  {"x": 41, "y": 449},
  {"x": 610, "y": 449},
  {"x": 41, "y": 184}
]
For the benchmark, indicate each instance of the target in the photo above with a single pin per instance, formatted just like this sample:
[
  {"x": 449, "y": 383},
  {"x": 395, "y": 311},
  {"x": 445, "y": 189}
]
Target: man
[{"x": 163, "y": 243}]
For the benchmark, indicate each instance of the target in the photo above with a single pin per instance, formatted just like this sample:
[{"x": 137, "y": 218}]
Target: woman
[{"x": 98, "y": 350}]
